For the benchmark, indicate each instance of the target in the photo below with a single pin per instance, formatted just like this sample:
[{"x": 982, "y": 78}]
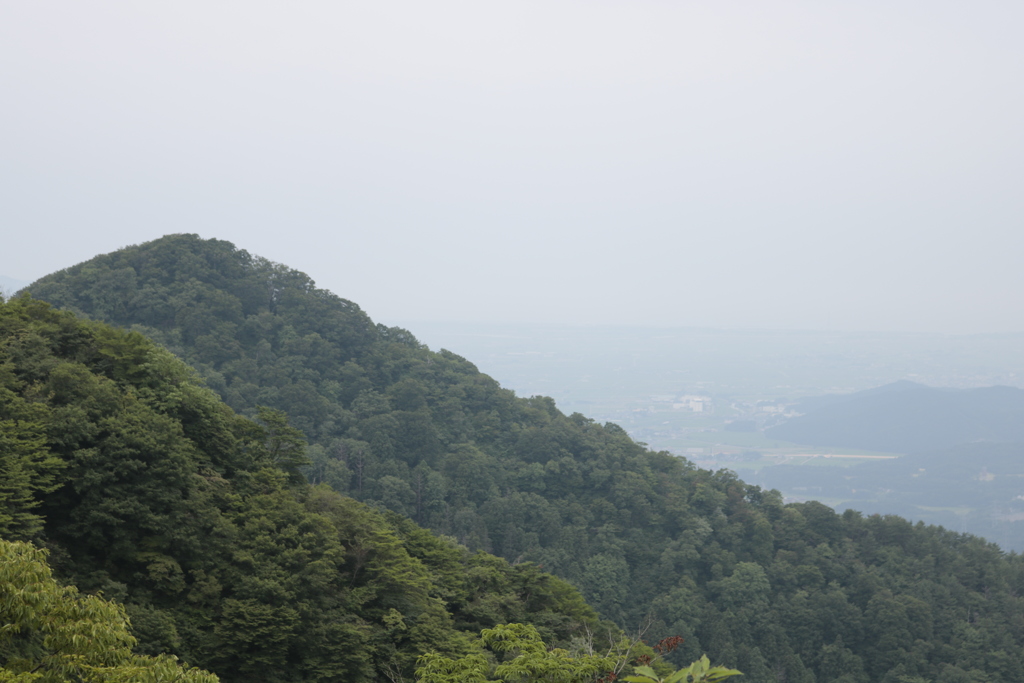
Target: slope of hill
[
  {"x": 905, "y": 417},
  {"x": 792, "y": 593},
  {"x": 145, "y": 486}
]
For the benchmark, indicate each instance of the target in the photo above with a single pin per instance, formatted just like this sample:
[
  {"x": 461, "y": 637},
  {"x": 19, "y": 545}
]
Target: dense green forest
[
  {"x": 781, "y": 592},
  {"x": 144, "y": 486}
]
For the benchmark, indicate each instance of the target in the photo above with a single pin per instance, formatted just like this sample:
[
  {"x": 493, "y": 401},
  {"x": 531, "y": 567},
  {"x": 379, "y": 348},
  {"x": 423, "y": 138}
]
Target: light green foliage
[
  {"x": 700, "y": 671},
  {"x": 52, "y": 633},
  {"x": 529, "y": 661},
  {"x": 435, "y": 668},
  {"x": 27, "y": 468}
]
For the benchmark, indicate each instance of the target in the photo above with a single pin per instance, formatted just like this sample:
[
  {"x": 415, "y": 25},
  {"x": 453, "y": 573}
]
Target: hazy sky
[{"x": 817, "y": 165}]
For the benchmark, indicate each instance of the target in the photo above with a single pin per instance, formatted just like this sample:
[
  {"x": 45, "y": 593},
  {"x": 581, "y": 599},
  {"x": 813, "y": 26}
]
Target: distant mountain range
[
  {"x": 906, "y": 417},
  {"x": 9, "y": 285}
]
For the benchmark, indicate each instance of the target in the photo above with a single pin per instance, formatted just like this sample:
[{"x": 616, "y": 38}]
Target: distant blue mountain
[
  {"x": 905, "y": 417},
  {"x": 9, "y": 285}
]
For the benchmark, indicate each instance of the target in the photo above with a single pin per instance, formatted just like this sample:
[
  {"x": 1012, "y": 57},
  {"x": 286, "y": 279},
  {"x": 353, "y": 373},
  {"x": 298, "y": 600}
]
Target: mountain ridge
[{"x": 774, "y": 590}]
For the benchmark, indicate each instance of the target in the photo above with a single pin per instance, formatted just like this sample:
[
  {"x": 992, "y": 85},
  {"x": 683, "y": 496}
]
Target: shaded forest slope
[
  {"x": 145, "y": 486},
  {"x": 782, "y": 592}
]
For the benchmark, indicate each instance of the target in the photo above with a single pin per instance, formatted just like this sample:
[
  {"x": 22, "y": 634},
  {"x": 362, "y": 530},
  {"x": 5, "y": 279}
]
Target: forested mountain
[
  {"x": 782, "y": 592},
  {"x": 906, "y": 417},
  {"x": 143, "y": 485}
]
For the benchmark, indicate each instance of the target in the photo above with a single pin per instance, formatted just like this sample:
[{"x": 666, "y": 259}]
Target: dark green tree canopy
[
  {"x": 145, "y": 486},
  {"x": 777, "y": 591}
]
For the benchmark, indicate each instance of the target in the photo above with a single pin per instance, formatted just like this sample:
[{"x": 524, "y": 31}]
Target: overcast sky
[{"x": 812, "y": 165}]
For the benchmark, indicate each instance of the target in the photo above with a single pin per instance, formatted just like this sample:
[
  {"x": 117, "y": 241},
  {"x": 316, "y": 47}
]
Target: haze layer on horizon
[{"x": 788, "y": 165}]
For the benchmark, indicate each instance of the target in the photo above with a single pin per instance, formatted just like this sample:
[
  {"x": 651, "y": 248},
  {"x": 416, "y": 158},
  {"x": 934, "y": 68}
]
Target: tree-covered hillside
[
  {"x": 781, "y": 592},
  {"x": 143, "y": 485}
]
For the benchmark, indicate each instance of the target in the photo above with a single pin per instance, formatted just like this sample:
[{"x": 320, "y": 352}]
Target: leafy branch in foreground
[
  {"x": 53, "y": 633},
  {"x": 532, "y": 662},
  {"x": 700, "y": 671}
]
